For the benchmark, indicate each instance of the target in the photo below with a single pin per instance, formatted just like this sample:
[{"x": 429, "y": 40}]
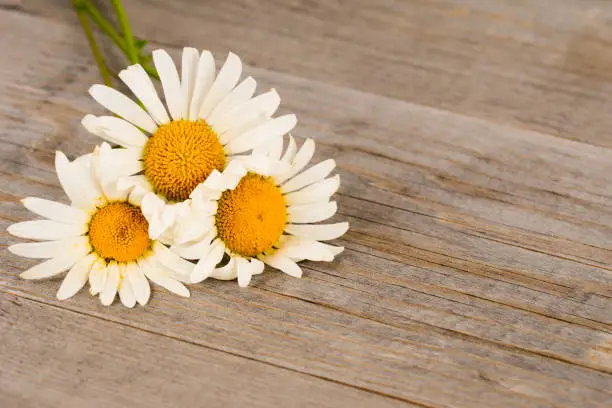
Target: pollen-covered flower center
[
  {"x": 251, "y": 218},
  {"x": 180, "y": 155},
  {"x": 119, "y": 231}
]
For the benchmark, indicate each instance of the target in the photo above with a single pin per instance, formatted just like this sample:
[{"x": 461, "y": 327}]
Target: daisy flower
[
  {"x": 207, "y": 120},
  {"x": 260, "y": 210},
  {"x": 101, "y": 237}
]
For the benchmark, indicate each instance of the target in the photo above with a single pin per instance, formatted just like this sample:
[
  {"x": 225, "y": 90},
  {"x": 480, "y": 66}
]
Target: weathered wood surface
[{"x": 473, "y": 139}]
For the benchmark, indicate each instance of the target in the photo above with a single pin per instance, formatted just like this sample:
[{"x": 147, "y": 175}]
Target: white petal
[
  {"x": 320, "y": 191},
  {"x": 263, "y": 133},
  {"x": 202, "y": 197},
  {"x": 115, "y": 130},
  {"x": 247, "y": 115},
  {"x": 311, "y": 212},
  {"x": 171, "y": 84},
  {"x": 300, "y": 161},
  {"x": 139, "y": 283},
  {"x": 228, "y": 77},
  {"x": 92, "y": 167},
  {"x": 169, "y": 214},
  {"x": 111, "y": 285},
  {"x": 299, "y": 248},
  {"x": 82, "y": 161},
  {"x": 193, "y": 227},
  {"x": 152, "y": 208},
  {"x": 49, "y": 249},
  {"x": 257, "y": 266},
  {"x": 77, "y": 182},
  {"x": 138, "y": 187},
  {"x": 55, "y": 211},
  {"x": 276, "y": 149},
  {"x": 226, "y": 272},
  {"x": 271, "y": 150},
  {"x": 166, "y": 238},
  {"x": 97, "y": 277},
  {"x": 92, "y": 124},
  {"x": 316, "y": 173},
  {"x": 244, "y": 271},
  {"x": 235, "y": 169},
  {"x": 336, "y": 250},
  {"x": 137, "y": 182},
  {"x": 119, "y": 162},
  {"x": 189, "y": 70},
  {"x": 113, "y": 193},
  {"x": 197, "y": 250},
  {"x": 123, "y": 106},
  {"x": 163, "y": 280},
  {"x": 44, "y": 230},
  {"x": 232, "y": 175},
  {"x": 121, "y": 158},
  {"x": 76, "y": 278},
  {"x": 259, "y": 164},
  {"x": 116, "y": 164},
  {"x": 279, "y": 261},
  {"x": 181, "y": 268},
  {"x": 204, "y": 79},
  {"x": 206, "y": 265},
  {"x": 290, "y": 152},
  {"x": 140, "y": 84},
  {"x": 126, "y": 294},
  {"x": 323, "y": 232},
  {"x": 241, "y": 94},
  {"x": 216, "y": 181},
  {"x": 157, "y": 228},
  {"x": 201, "y": 202},
  {"x": 55, "y": 265}
]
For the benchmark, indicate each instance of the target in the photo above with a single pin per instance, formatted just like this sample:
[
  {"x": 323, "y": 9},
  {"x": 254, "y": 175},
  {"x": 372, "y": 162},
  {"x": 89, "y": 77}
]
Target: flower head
[
  {"x": 101, "y": 237},
  {"x": 260, "y": 210},
  {"x": 208, "y": 119}
]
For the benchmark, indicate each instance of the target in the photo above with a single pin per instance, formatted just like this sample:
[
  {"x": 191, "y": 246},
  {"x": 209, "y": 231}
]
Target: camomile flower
[
  {"x": 101, "y": 237},
  {"x": 207, "y": 120},
  {"x": 262, "y": 209}
]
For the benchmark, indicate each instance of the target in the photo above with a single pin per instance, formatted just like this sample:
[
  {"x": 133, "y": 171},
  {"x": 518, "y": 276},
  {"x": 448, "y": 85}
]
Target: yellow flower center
[
  {"x": 251, "y": 218},
  {"x": 119, "y": 231},
  {"x": 180, "y": 155}
]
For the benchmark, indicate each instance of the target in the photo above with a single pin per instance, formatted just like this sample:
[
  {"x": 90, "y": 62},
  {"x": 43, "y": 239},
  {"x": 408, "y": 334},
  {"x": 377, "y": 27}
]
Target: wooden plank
[
  {"x": 52, "y": 357},
  {"x": 459, "y": 284},
  {"x": 541, "y": 65},
  {"x": 404, "y": 360}
]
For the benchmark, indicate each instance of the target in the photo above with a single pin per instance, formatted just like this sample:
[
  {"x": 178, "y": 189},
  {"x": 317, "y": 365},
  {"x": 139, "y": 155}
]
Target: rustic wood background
[{"x": 474, "y": 141}]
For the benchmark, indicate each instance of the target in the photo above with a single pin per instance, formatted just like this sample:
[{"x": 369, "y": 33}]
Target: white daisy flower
[
  {"x": 209, "y": 119},
  {"x": 260, "y": 211},
  {"x": 102, "y": 237}
]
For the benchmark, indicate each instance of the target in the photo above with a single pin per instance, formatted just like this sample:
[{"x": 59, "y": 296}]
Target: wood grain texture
[
  {"x": 475, "y": 165},
  {"x": 541, "y": 65},
  {"x": 146, "y": 366}
]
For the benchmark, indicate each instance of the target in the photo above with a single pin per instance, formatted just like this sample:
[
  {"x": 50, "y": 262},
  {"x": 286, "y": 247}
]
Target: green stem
[
  {"x": 132, "y": 52},
  {"x": 104, "y": 25},
  {"x": 93, "y": 45},
  {"x": 85, "y": 6},
  {"x": 107, "y": 28}
]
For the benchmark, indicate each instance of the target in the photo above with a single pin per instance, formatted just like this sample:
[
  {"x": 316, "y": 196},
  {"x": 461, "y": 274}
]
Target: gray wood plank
[
  {"x": 51, "y": 357},
  {"x": 541, "y": 65}
]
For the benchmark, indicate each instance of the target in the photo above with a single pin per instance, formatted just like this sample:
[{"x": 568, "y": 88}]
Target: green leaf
[{"x": 140, "y": 44}]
